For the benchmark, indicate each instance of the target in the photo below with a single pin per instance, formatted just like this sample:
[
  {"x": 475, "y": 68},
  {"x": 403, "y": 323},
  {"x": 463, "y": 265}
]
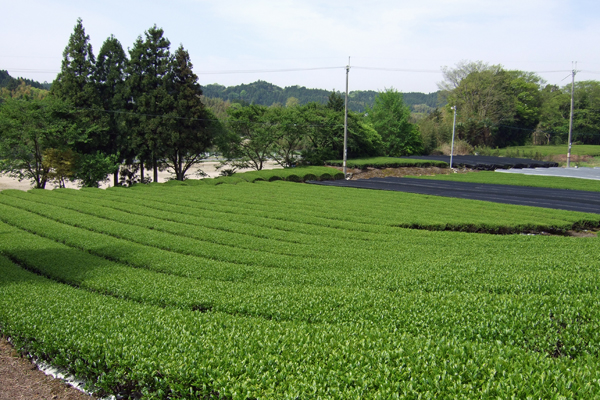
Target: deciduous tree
[
  {"x": 30, "y": 127},
  {"x": 391, "y": 119},
  {"x": 250, "y": 138}
]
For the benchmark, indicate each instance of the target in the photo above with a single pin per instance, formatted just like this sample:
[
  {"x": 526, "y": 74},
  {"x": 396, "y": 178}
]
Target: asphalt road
[{"x": 560, "y": 199}]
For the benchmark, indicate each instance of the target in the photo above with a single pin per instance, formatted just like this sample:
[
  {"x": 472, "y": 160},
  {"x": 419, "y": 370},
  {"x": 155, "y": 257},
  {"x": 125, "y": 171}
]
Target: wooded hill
[
  {"x": 11, "y": 83},
  {"x": 265, "y": 93}
]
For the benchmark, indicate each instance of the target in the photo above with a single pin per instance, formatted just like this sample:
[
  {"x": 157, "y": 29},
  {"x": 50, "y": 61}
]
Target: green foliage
[
  {"x": 22, "y": 91},
  {"x": 60, "y": 164},
  {"x": 267, "y": 94},
  {"x": 195, "y": 127},
  {"x": 391, "y": 119},
  {"x": 110, "y": 82},
  {"x": 150, "y": 88},
  {"x": 290, "y": 137},
  {"x": 11, "y": 84},
  {"x": 250, "y": 138},
  {"x": 75, "y": 84},
  {"x": 435, "y": 130},
  {"x": 496, "y": 107},
  {"x": 265, "y": 290},
  {"x": 554, "y": 124},
  {"x": 93, "y": 169},
  {"x": 28, "y": 129},
  {"x": 324, "y": 129}
]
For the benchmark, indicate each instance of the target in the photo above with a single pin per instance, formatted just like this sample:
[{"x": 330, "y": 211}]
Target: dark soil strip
[
  {"x": 577, "y": 230},
  {"x": 560, "y": 199},
  {"x": 489, "y": 163}
]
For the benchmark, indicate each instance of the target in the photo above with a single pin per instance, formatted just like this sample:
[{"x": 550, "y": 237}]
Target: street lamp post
[{"x": 453, "y": 131}]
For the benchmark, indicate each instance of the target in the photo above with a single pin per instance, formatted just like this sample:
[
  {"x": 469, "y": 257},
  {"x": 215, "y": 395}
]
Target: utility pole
[
  {"x": 346, "y": 121},
  {"x": 571, "y": 116},
  {"x": 453, "y": 130}
]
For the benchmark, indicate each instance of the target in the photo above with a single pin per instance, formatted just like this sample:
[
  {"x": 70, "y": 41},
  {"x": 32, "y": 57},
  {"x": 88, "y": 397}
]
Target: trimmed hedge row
[
  {"x": 387, "y": 162},
  {"x": 144, "y": 351},
  {"x": 298, "y": 174},
  {"x": 184, "y": 293}
]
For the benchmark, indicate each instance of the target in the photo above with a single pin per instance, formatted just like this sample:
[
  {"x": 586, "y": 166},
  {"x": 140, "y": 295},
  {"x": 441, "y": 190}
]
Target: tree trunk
[
  {"x": 155, "y": 168},
  {"x": 116, "y": 178},
  {"x": 180, "y": 167},
  {"x": 142, "y": 171}
]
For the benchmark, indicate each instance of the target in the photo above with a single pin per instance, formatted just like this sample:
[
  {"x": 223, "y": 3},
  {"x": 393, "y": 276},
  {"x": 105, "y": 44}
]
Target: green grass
[
  {"x": 551, "y": 150},
  {"x": 387, "y": 162},
  {"x": 283, "y": 290},
  {"x": 500, "y": 178}
]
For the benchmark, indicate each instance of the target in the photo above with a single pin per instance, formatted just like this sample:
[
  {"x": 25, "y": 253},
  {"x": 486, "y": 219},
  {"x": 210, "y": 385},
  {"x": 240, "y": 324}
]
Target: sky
[{"x": 387, "y": 43}]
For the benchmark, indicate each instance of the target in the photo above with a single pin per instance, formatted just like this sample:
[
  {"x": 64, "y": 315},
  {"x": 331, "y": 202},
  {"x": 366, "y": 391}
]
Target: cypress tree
[
  {"x": 110, "y": 81},
  {"x": 193, "y": 129},
  {"x": 75, "y": 82},
  {"x": 149, "y": 90}
]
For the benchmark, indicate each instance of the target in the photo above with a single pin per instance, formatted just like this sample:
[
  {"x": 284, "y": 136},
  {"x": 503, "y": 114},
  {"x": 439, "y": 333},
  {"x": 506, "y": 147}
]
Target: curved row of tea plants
[
  {"x": 280, "y": 290},
  {"x": 298, "y": 174}
]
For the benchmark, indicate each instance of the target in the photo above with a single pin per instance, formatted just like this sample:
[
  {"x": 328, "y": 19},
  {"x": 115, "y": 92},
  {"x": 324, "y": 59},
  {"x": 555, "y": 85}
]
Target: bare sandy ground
[{"x": 208, "y": 167}]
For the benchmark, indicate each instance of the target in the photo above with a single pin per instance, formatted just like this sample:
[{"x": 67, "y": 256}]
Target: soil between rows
[{"x": 22, "y": 380}]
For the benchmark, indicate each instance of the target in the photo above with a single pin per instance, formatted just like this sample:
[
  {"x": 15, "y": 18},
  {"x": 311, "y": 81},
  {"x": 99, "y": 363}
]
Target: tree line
[
  {"x": 10, "y": 83},
  {"x": 123, "y": 114},
  {"x": 498, "y": 108},
  {"x": 267, "y": 94},
  {"x": 109, "y": 114}
]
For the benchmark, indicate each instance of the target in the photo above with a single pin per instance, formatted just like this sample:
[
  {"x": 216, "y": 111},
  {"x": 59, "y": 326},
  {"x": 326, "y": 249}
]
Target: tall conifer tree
[
  {"x": 149, "y": 90},
  {"x": 76, "y": 85},
  {"x": 194, "y": 128},
  {"x": 110, "y": 81}
]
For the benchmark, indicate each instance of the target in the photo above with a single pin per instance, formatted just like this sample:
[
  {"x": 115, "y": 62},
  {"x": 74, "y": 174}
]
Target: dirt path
[
  {"x": 208, "y": 167},
  {"x": 400, "y": 172},
  {"x": 21, "y": 380}
]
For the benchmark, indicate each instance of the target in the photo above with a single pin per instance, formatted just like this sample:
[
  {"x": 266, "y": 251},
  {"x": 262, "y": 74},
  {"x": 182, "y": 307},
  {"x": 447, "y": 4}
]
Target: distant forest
[
  {"x": 7, "y": 81},
  {"x": 264, "y": 93},
  {"x": 267, "y": 94}
]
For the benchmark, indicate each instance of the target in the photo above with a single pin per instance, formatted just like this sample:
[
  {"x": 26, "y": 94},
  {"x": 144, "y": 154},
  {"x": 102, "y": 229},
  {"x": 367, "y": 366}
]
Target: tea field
[{"x": 281, "y": 290}]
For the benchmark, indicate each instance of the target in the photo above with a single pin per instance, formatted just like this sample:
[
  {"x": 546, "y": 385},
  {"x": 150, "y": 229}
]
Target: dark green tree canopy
[
  {"x": 110, "y": 82},
  {"x": 194, "y": 127},
  {"x": 75, "y": 82},
  {"x": 150, "y": 88}
]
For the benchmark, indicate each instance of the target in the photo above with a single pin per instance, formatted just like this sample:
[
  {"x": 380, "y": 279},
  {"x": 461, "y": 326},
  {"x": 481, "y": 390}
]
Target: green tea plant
[{"x": 283, "y": 290}]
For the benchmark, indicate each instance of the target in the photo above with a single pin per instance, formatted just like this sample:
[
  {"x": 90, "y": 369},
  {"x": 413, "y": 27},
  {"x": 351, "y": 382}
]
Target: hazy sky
[{"x": 413, "y": 39}]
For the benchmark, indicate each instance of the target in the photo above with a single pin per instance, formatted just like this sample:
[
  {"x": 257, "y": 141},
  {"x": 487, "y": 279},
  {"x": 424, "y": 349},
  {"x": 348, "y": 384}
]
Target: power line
[
  {"x": 399, "y": 69},
  {"x": 166, "y": 116},
  {"x": 254, "y": 71}
]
